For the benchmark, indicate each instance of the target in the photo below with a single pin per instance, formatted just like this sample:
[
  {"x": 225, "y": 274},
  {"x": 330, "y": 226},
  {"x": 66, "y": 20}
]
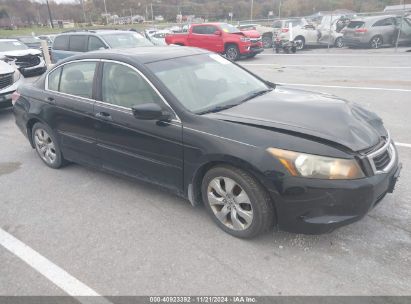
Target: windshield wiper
[
  {"x": 217, "y": 109},
  {"x": 255, "y": 94},
  {"x": 225, "y": 107}
]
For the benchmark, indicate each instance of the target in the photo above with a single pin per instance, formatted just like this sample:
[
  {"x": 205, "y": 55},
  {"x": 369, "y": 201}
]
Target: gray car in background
[{"x": 373, "y": 32}]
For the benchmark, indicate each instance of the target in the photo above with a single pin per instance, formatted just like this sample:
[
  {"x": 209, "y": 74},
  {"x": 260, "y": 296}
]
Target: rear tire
[
  {"x": 232, "y": 52},
  {"x": 47, "y": 146},
  {"x": 339, "y": 43},
  {"x": 236, "y": 202}
]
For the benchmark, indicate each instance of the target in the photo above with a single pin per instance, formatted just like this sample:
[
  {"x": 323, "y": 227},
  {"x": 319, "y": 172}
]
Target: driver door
[{"x": 148, "y": 149}]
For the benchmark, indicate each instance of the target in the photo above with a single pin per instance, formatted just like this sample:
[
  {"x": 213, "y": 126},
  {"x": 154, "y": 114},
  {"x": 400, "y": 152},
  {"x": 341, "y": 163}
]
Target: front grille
[
  {"x": 27, "y": 61},
  {"x": 382, "y": 158},
  {"x": 255, "y": 40},
  {"x": 6, "y": 80},
  {"x": 381, "y": 161}
]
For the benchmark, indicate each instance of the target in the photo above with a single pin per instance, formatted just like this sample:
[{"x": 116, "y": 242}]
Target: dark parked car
[
  {"x": 77, "y": 42},
  {"x": 256, "y": 154}
]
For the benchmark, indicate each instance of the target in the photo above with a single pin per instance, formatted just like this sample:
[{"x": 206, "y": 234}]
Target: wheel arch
[
  {"x": 29, "y": 126},
  {"x": 194, "y": 187}
]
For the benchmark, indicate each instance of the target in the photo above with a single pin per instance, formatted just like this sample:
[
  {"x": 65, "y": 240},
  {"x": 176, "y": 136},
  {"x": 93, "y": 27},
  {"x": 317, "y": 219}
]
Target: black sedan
[{"x": 255, "y": 154}]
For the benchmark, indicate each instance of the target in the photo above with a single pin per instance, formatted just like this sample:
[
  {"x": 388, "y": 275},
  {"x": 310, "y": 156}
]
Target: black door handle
[
  {"x": 50, "y": 99},
  {"x": 103, "y": 116}
]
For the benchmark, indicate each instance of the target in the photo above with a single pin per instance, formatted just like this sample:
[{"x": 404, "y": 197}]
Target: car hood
[
  {"x": 312, "y": 114},
  {"x": 252, "y": 34},
  {"x": 19, "y": 53},
  {"x": 6, "y": 68}
]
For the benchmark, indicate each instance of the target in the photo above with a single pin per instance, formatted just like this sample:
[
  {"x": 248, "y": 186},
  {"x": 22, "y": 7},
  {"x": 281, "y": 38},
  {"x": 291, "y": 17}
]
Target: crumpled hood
[
  {"x": 252, "y": 34},
  {"x": 19, "y": 53},
  {"x": 320, "y": 115}
]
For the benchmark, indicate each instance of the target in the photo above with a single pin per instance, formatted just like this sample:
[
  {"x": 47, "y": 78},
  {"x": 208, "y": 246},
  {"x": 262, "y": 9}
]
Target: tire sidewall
[
  {"x": 59, "y": 158},
  {"x": 234, "y": 47},
  {"x": 253, "y": 191}
]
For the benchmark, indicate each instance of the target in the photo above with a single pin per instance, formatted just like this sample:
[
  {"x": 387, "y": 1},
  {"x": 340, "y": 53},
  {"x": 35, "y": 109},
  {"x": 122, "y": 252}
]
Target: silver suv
[{"x": 373, "y": 32}]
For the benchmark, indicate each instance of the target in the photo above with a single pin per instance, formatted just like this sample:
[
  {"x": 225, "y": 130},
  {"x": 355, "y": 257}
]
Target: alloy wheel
[
  {"x": 232, "y": 53},
  {"x": 376, "y": 42},
  {"x": 339, "y": 43},
  {"x": 230, "y": 203},
  {"x": 300, "y": 44},
  {"x": 45, "y": 146}
]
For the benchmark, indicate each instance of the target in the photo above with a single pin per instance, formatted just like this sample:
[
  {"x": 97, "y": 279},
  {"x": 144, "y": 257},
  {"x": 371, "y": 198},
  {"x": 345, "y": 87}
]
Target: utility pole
[
  {"x": 279, "y": 9},
  {"x": 84, "y": 11},
  {"x": 51, "y": 18},
  {"x": 252, "y": 8},
  {"x": 105, "y": 9}
]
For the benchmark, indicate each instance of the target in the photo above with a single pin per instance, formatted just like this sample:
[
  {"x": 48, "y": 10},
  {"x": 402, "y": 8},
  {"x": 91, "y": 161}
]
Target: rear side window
[
  {"x": 95, "y": 43},
  {"x": 54, "y": 80},
  {"x": 199, "y": 29},
  {"x": 61, "y": 43},
  {"x": 77, "y": 79},
  {"x": 384, "y": 22},
  {"x": 355, "y": 25},
  {"x": 78, "y": 43}
]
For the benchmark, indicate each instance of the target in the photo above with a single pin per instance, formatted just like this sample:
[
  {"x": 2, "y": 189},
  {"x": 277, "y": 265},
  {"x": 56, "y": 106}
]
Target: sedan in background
[
  {"x": 30, "y": 41},
  {"x": 255, "y": 154},
  {"x": 30, "y": 62}
]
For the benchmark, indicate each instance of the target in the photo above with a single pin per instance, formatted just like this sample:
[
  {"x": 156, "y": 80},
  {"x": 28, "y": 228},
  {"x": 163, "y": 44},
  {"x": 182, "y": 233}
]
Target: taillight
[
  {"x": 14, "y": 97},
  {"x": 361, "y": 30},
  {"x": 284, "y": 30}
]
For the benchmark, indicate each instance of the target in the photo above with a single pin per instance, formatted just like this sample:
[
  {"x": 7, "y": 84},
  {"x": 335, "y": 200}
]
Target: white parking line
[
  {"x": 327, "y": 66},
  {"x": 403, "y": 145},
  {"x": 51, "y": 271},
  {"x": 342, "y": 87},
  {"x": 342, "y": 54}
]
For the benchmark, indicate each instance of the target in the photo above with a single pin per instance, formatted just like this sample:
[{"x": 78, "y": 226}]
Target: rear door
[
  {"x": 70, "y": 89},
  {"x": 147, "y": 149},
  {"x": 196, "y": 37}
]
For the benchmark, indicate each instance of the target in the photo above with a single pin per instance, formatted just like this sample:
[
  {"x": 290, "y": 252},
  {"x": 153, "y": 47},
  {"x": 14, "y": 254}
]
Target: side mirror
[
  {"x": 150, "y": 111},
  {"x": 218, "y": 33}
]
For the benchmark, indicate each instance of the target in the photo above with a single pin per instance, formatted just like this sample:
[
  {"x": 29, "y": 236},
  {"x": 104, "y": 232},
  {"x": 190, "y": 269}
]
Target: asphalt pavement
[{"x": 121, "y": 237}]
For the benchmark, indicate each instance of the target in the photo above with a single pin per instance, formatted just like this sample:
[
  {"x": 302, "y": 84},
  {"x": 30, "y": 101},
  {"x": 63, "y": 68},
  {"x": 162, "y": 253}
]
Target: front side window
[
  {"x": 77, "y": 79},
  {"x": 61, "y": 43},
  {"x": 95, "y": 43},
  {"x": 204, "y": 82},
  {"x": 54, "y": 80},
  {"x": 125, "y": 87},
  {"x": 78, "y": 43}
]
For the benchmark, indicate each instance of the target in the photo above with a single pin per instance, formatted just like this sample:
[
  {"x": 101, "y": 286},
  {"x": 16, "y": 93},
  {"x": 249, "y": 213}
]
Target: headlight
[
  {"x": 314, "y": 166},
  {"x": 245, "y": 39},
  {"x": 16, "y": 75}
]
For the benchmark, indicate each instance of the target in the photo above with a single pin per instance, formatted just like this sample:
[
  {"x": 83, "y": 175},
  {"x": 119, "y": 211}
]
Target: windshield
[
  {"x": 6, "y": 46},
  {"x": 126, "y": 40},
  {"x": 228, "y": 28},
  {"x": 205, "y": 82}
]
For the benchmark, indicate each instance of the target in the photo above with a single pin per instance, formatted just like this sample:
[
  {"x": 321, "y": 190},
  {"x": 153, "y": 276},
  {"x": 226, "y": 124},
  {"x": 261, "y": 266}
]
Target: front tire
[
  {"x": 300, "y": 43},
  {"x": 47, "y": 146},
  {"x": 376, "y": 42},
  {"x": 237, "y": 203},
  {"x": 232, "y": 52},
  {"x": 267, "y": 41}
]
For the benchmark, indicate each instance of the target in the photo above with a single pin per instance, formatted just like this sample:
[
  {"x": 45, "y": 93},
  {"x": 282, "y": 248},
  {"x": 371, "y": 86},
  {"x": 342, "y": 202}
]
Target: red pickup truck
[{"x": 220, "y": 38}]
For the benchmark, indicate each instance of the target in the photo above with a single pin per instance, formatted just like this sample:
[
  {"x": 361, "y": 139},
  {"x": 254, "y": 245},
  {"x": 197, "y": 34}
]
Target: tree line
[{"x": 34, "y": 12}]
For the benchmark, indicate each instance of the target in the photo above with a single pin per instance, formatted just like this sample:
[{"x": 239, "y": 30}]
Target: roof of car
[
  {"x": 88, "y": 32},
  {"x": 142, "y": 55},
  {"x": 373, "y": 18}
]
